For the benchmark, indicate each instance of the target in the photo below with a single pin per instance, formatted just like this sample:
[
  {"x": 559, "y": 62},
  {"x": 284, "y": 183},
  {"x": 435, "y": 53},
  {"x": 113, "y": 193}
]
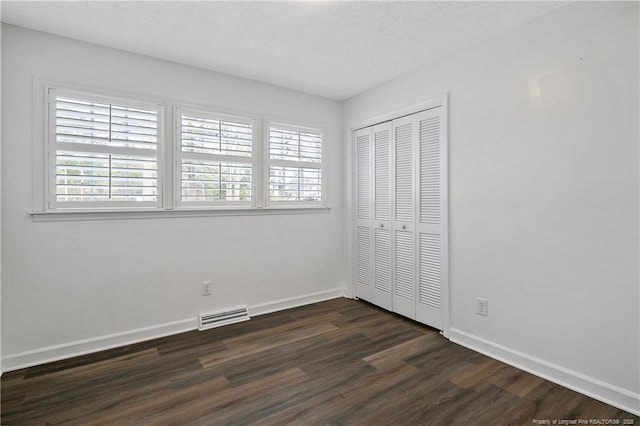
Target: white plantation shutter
[
  {"x": 295, "y": 164},
  {"x": 103, "y": 152},
  {"x": 215, "y": 159},
  {"x": 107, "y": 153}
]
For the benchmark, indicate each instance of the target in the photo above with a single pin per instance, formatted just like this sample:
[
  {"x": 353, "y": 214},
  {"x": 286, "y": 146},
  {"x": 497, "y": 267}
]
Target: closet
[{"x": 401, "y": 215}]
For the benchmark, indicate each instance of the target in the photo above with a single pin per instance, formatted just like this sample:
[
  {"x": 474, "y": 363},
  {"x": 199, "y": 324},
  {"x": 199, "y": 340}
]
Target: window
[
  {"x": 295, "y": 164},
  {"x": 106, "y": 152},
  {"x": 216, "y": 159},
  {"x": 103, "y": 152}
]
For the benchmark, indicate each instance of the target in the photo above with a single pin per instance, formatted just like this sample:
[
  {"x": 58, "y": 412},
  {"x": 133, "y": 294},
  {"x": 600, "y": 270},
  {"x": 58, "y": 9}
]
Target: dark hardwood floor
[{"x": 335, "y": 362}]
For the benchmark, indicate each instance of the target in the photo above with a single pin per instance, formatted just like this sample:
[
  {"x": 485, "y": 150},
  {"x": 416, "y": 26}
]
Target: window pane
[
  {"x": 295, "y": 184},
  {"x": 91, "y": 177},
  {"x": 215, "y": 181}
]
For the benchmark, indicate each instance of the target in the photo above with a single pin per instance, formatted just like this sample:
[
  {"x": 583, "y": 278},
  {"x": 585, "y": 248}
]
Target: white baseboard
[
  {"x": 95, "y": 344},
  {"x": 86, "y": 346},
  {"x": 294, "y": 302},
  {"x": 594, "y": 388}
]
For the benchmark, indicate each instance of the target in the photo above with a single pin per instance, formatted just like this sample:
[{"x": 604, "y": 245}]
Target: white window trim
[
  {"x": 181, "y": 109},
  {"x": 168, "y": 161},
  {"x": 84, "y": 215},
  {"x": 268, "y": 162}
]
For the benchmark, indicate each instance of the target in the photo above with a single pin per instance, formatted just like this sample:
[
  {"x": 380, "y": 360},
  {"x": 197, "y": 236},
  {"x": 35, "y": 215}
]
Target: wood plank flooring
[{"x": 336, "y": 362}]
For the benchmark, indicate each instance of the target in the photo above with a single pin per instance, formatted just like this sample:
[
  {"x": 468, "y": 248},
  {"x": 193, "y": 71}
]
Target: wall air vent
[{"x": 207, "y": 321}]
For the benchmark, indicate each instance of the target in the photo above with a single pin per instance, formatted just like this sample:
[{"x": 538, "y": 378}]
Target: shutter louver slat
[
  {"x": 363, "y": 172},
  {"x": 404, "y": 255},
  {"x": 382, "y": 265},
  {"x": 430, "y": 170},
  {"x": 404, "y": 173},
  {"x": 382, "y": 165},
  {"x": 430, "y": 269}
]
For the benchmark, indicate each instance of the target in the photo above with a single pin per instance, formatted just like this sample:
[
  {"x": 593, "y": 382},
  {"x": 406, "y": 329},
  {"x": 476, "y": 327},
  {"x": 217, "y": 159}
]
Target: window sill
[{"x": 74, "y": 215}]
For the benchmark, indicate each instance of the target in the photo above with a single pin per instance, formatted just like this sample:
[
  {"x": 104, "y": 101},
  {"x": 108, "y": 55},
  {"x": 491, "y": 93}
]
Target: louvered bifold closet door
[
  {"x": 404, "y": 266},
  {"x": 431, "y": 214},
  {"x": 364, "y": 214},
  {"x": 382, "y": 214}
]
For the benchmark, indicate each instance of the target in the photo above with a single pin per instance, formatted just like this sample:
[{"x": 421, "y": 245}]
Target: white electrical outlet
[
  {"x": 483, "y": 307},
  {"x": 206, "y": 288}
]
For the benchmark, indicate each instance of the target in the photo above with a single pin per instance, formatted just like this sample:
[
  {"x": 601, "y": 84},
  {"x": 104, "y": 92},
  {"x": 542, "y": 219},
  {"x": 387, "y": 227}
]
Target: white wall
[
  {"x": 69, "y": 283},
  {"x": 543, "y": 137}
]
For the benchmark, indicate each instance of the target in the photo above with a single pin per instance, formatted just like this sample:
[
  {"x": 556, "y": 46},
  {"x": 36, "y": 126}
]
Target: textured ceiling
[{"x": 331, "y": 49}]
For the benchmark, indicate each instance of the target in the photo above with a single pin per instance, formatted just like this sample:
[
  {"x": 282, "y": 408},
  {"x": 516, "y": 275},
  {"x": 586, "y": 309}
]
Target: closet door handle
[
  {"x": 382, "y": 225},
  {"x": 404, "y": 226}
]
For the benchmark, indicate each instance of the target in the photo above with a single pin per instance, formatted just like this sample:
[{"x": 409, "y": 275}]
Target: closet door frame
[{"x": 442, "y": 101}]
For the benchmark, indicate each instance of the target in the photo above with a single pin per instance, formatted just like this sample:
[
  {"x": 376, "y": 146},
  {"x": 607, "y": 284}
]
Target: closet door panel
[
  {"x": 382, "y": 212},
  {"x": 404, "y": 154},
  {"x": 431, "y": 218},
  {"x": 364, "y": 217},
  {"x": 401, "y": 216}
]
